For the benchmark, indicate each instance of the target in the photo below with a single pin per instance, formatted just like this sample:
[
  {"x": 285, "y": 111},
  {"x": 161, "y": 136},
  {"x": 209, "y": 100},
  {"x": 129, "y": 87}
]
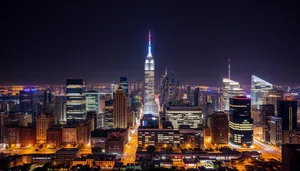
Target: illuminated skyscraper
[
  {"x": 93, "y": 101},
  {"x": 124, "y": 85},
  {"x": 230, "y": 89},
  {"x": 27, "y": 101},
  {"x": 150, "y": 106},
  {"x": 120, "y": 109},
  {"x": 76, "y": 94},
  {"x": 259, "y": 89},
  {"x": 164, "y": 89},
  {"x": 241, "y": 123}
]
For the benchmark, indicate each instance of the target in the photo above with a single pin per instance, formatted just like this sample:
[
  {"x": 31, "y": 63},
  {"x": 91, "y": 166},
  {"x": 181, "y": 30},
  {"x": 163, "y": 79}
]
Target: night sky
[{"x": 48, "y": 42}]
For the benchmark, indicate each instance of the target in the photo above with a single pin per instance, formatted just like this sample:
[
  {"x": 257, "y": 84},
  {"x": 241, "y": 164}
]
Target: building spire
[
  {"x": 166, "y": 70},
  {"x": 228, "y": 68},
  {"x": 149, "y": 46}
]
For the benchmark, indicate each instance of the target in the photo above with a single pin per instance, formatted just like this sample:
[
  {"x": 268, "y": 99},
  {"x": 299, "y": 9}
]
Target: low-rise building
[
  {"x": 54, "y": 137},
  {"x": 115, "y": 146},
  {"x": 66, "y": 155}
]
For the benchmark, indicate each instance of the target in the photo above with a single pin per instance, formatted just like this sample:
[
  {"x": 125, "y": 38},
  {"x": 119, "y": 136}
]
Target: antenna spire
[
  {"x": 166, "y": 70},
  {"x": 149, "y": 46},
  {"x": 228, "y": 68}
]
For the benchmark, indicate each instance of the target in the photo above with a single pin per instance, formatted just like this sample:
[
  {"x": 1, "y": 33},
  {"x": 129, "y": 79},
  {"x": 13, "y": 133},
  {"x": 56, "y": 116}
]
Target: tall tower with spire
[{"x": 150, "y": 106}]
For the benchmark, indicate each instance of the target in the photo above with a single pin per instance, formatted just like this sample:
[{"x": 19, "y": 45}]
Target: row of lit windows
[{"x": 241, "y": 127}]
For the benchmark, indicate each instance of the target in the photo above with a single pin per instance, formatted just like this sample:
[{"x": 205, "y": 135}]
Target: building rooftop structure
[{"x": 67, "y": 150}]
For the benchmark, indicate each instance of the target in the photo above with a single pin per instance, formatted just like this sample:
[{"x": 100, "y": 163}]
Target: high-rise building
[
  {"x": 241, "y": 123},
  {"x": 230, "y": 89},
  {"x": 59, "y": 110},
  {"x": 265, "y": 114},
  {"x": 54, "y": 137},
  {"x": 184, "y": 115},
  {"x": 83, "y": 133},
  {"x": 287, "y": 110},
  {"x": 124, "y": 85},
  {"x": 218, "y": 124},
  {"x": 150, "y": 106},
  {"x": 164, "y": 89},
  {"x": 27, "y": 136},
  {"x": 276, "y": 130},
  {"x": 76, "y": 96},
  {"x": 272, "y": 97},
  {"x": 47, "y": 98},
  {"x": 120, "y": 109},
  {"x": 43, "y": 122},
  {"x": 196, "y": 96},
  {"x": 93, "y": 101},
  {"x": 259, "y": 90},
  {"x": 108, "y": 114},
  {"x": 26, "y": 101}
]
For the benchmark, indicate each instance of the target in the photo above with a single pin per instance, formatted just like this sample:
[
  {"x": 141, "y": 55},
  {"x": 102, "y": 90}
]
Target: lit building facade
[
  {"x": 120, "y": 109},
  {"x": 59, "y": 110},
  {"x": 69, "y": 135},
  {"x": 83, "y": 134},
  {"x": 241, "y": 123},
  {"x": 76, "y": 99},
  {"x": 26, "y": 101},
  {"x": 272, "y": 97},
  {"x": 259, "y": 90},
  {"x": 124, "y": 85},
  {"x": 93, "y": 101},
  {"x": 230, "y": 89},
  {"x": 265, "y": 114},
  {"x": 276, "y": 131},
  {"x": 54, "y": 137},
  {"x": 108, "y": 114},
  {"x": 150, "y": 106},
  {"x": 43, "y": 122},
  {"x": 184, "y": 115},
  {"x": 27, "y": 136}
]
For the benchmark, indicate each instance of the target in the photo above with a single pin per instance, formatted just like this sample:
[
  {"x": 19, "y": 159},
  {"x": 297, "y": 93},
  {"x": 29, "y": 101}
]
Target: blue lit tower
[
  {"x": 150, "y": 106},
  {"x": 124, "y": 85}
]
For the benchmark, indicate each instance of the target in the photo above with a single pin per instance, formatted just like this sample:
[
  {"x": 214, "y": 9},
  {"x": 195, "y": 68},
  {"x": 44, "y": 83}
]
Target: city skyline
[{"x": 48, "y": 46}]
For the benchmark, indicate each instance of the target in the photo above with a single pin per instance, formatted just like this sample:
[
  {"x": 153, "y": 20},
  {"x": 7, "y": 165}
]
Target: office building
[
  {"x": 230, "y": 89},
  {"x": 120, "y": 109},
  {"x": 184, "y": 115},
  {"x": 149, "y": 121},
  {"x": 160, "y": 138},
  {"x": 150, "y": 106},
  {"x": 76, "y": 99},
  {"x": 276, "y": 130},
  {"x": 191, "y": 137},
  {"x": 196, "y": 96},
  {"x": 83, "y": 134},
  {"x": 66, "y": 155},
  {"x": 218, "y": 125},
  {"x": 265, "y": 114},
  {"x": 287, "y": 110},
  {"x": 259, "y": 90},
  {"x": 59, "y": 111},
  {"x": 43, "y": 122},
  {"x": 108, "y": 114},
  {"x": 27, "y": 136},
  {"x": 290, "y": 157},
  {"x": 272, "y": 97},
  {"x": 12, "y": 136},
  {"x": 164, "y": 89},
  {"x": 47, "y": 98},
  {"x": 115, "y": 146},
  {"x": 93, "y": 101},
  {"x": 54, "y": 137},
  {"x": 69, "y": 135},
  {"x": 26, "y": 101},
  {"x": 241, "y": 123},
  {"x": 124, "y": 85}
]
